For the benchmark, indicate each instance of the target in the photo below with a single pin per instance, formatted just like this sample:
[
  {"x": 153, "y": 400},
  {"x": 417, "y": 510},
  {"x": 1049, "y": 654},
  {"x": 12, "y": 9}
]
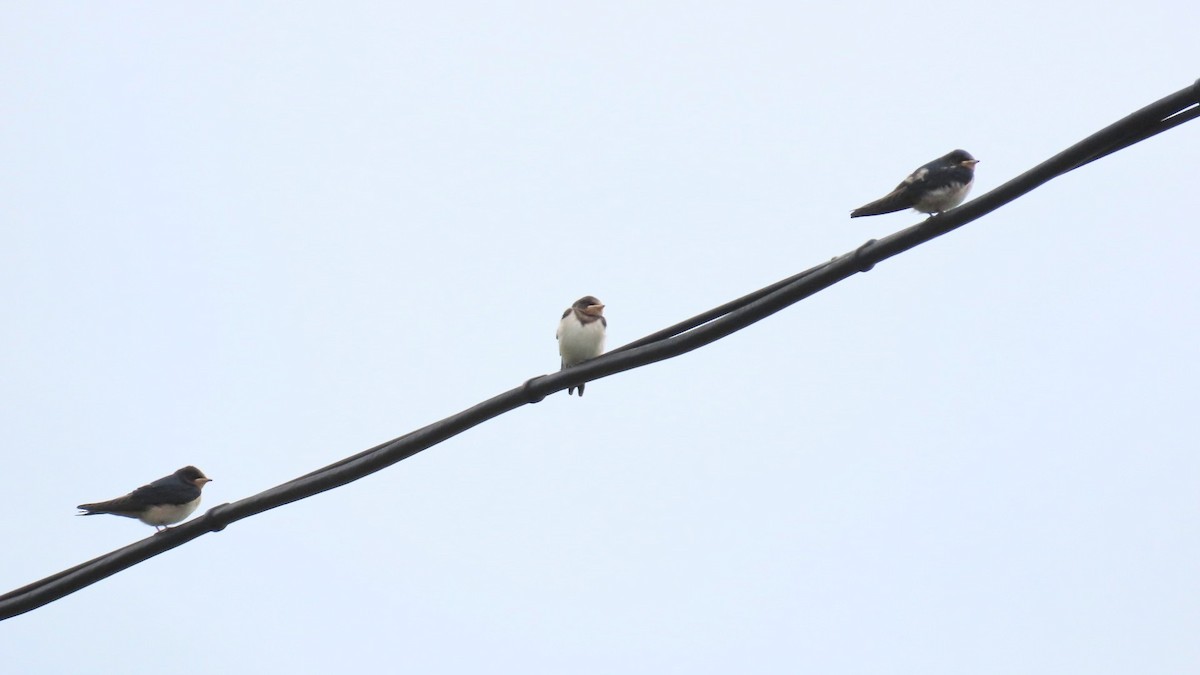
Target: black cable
[{"x": 675, "y": 340}]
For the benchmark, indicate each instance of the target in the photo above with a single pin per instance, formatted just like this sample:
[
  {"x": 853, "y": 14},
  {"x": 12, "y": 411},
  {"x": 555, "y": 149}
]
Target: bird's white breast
[
  {"x": 943, "y": 199},
  {"x": 579, "y": 341},
  {"x": 168, "y": 514}
]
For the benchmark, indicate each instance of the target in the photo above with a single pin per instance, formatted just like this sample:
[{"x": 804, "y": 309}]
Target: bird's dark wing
[
  {"x": 121, "y": 506},
  {"x": 940, "y": 177},
  {"x": 169, "y": 490},
  {"x": 903, "y": 197}
]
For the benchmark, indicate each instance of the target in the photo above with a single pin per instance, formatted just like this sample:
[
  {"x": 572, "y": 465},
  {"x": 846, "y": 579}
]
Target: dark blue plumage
[
  {"x": 166, "y": 501},
  {"x": 936, "y": 187}
]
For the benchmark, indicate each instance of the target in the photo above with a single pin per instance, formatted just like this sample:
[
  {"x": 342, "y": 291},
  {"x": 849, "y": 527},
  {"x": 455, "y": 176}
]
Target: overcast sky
[{"x": 259, "y": 237}]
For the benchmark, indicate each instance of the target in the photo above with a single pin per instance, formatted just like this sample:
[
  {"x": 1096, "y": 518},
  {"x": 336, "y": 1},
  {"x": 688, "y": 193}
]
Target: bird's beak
[
  {"x": 596, "y": 310},
  {"x": 200, "y": 482},
  {"x": 970, "y": 163}
]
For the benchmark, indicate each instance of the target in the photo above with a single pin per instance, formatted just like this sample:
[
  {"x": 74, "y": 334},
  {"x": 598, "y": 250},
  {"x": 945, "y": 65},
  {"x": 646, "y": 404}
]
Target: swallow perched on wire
[
  {"x": 580, "y": 334},
  {"x": 164, "y": 502},
  {"x": 934, "y": 188}
]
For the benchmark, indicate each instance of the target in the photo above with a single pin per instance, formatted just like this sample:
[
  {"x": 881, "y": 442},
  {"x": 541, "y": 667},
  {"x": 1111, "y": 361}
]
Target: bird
[
  {"x": 580, "y": 334},
  {"x": 934, "y": 188},
  {"x": 166, "y": 501}
]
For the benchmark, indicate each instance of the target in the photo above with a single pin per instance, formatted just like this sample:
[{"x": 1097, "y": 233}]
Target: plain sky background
[{"x": 259, "y": 237}]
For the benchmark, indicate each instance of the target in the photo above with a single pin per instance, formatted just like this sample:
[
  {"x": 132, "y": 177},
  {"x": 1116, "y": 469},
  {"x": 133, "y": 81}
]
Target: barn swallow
[
  {"x": 934, "y": 188},
  {"x": 580, "y": 334},
  {"x": 164, "y": 502}
]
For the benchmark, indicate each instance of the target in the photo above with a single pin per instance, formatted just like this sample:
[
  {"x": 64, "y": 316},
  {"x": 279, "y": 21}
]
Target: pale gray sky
[{"x": 258, "y": 237}]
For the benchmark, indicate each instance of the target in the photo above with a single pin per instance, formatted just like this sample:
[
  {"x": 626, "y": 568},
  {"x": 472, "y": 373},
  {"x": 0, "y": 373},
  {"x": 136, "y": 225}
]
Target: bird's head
[
  {"x": 191, "y": 474},
  {"x": 962, "y": 158},
  {"x": 589, "y": 305}
]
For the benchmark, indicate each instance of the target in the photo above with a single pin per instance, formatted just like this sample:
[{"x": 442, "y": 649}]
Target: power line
[{"x": 683, "y": 337}]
